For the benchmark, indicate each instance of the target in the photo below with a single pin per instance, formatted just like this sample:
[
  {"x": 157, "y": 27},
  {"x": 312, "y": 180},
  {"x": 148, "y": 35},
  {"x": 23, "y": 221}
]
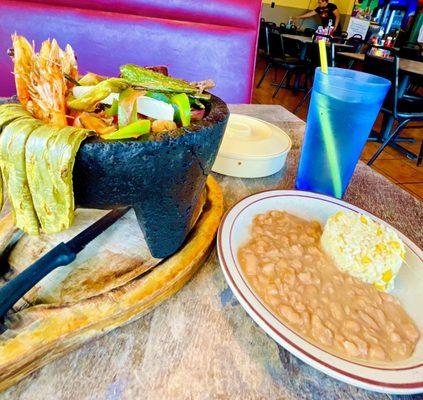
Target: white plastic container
[{"x": 251, "y": 148}]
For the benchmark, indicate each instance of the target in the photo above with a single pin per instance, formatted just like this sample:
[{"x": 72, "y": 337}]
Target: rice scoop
[{"x": 364, "y": 248}]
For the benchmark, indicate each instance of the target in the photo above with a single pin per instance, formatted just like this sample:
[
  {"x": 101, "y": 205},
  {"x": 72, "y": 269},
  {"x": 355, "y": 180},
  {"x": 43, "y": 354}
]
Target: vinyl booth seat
[{"x": 195, "y": 39}]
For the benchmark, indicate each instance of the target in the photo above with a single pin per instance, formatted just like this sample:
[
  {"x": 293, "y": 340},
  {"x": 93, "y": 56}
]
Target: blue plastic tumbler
[{"x": 343, "y": 108}]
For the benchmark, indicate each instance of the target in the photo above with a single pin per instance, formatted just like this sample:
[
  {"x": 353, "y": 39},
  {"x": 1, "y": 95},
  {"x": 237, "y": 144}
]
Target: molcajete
[{"x": 162, "y": 179}]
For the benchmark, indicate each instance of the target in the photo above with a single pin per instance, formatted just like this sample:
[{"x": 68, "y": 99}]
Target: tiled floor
[{"x": 394, "y": 165}]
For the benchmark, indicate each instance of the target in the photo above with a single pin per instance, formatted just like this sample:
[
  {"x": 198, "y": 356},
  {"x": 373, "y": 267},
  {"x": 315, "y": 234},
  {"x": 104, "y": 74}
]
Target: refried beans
[{"x": 285, "y": 264}]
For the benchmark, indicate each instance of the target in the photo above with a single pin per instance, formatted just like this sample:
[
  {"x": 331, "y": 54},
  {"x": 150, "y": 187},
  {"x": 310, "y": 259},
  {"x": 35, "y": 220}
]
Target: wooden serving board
[{"x": 110, "y": 284}]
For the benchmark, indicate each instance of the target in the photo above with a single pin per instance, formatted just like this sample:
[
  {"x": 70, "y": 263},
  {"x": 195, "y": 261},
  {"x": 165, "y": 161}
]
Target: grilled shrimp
[
  {"x": 23, "y": 58},
  {"x": 40, "y": 78}
]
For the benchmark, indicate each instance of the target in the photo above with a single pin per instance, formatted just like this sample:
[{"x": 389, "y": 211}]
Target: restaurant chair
[
  {"x": 275, "y": 54},
  {"x": 313, "y": 58},
  {"x": 411, "y": 51},
  {"x": 292, "y": 63},
  {"x": 262, "y": 38},
  {"x": 344, "y": 36},
  {"x": 309, "y": 32},
  {"x": 356, "y": 41},
  {"x": 293, "y": 29},
  {"x": 396, "y": 107},
  {"x": 283, "y": 27}
]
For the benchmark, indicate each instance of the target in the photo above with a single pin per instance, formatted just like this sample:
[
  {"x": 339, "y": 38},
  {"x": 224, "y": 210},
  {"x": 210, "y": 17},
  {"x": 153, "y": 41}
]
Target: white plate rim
[{"x": 250, "y": 304}]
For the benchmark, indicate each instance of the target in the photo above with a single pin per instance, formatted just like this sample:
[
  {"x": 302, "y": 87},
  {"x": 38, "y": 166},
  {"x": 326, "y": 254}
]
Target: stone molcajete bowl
[{"x": 162, "y": 180}]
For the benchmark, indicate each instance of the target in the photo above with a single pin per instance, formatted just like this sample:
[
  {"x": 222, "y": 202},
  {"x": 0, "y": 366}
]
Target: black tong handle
[{"x": 13, "y": 290}]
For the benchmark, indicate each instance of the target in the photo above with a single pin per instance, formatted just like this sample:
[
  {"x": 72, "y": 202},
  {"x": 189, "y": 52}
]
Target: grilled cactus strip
[
  {"x": 150, "y": 80},
  {"x": 50, "y": 157},
  {"x": 12, "y": 162},
  {"x": 99, "y": 92},
  {"x": 10, "y": 112}
]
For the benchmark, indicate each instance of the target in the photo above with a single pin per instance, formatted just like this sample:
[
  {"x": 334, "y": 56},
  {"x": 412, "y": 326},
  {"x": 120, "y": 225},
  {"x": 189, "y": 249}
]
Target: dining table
[
  {"x": 200, "y": 343},
  {"x": 308, "y": 40},
  {"x": 305, "y": 41},
  {"x": 408, "y": 66}
]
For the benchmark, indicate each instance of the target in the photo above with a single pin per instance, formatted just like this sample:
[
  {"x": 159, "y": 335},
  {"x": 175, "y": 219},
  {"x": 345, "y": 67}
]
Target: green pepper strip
[
  {"x": 158, "y": 96},
  {"x": 99, "y": 92},
  {"x": 134, "y": 130},
  {"x": 181, "y": 101},
  {"x": 113, "y": 109}
]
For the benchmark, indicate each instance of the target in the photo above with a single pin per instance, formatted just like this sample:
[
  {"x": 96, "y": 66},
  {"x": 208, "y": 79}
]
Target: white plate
[{"x": 404, "y": 377}]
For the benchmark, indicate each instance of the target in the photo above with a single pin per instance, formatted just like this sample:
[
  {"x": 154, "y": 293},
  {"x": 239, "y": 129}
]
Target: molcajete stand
[{"x": 161, "y": 179}]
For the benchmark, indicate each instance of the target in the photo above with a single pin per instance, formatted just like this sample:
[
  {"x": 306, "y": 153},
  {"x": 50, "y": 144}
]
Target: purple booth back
[{"x": 196, "y": 39}]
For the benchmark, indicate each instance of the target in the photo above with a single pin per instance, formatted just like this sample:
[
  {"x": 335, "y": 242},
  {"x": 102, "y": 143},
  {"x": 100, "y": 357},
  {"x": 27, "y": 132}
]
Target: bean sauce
[{"x": 285, "y": 264}]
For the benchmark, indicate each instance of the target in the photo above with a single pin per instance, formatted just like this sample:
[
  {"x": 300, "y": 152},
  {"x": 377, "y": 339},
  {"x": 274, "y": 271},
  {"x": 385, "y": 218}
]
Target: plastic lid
[{"x": 248, "y": 137}]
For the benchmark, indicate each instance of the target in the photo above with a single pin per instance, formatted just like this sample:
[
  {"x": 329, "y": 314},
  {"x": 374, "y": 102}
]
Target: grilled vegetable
[
  {"x": 93, "y": 122},
  {"x": 50, "y": 156},
  {"x": 196, "y": 103},
  {"x": 88, "y": 101},
  {"x": 134, "y": 130},
  {"x": 127, "y": 106},
  {"x": 12, "y": 162},
  {"x": 157, "y": 109},
  {"x": 155, "y": 81},
  {"x": 158, "y": 96},
  {"x": 10, "y": 112},
  {"x": 183, "y": 108},
  {"x": 113, "y": 109},
  {"x": 90, "y": 79}
]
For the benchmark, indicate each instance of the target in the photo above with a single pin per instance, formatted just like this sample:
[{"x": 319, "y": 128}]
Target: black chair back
[
  {"x": 386, "y": 67},
  {"x": 268, "y": 26},
  {"x": 292, "y": 47},
  {"x": 262, "y": 35},
  {"x": 309, "y": 32},
  {"x": 356, "y": 41},
  {"x": 278, "y": 47},
  {"x": 293, "y": 29},
  {"x": 411, "y": 51},
  {"x": 273, "y": 42},
  {"x": 282, "y": 27}
]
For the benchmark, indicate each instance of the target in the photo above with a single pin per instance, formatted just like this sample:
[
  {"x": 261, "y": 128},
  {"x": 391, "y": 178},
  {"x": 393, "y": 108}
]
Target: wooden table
[
  {"x": 201, "y": 344},
  {"x": 409, "y": 66}
]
